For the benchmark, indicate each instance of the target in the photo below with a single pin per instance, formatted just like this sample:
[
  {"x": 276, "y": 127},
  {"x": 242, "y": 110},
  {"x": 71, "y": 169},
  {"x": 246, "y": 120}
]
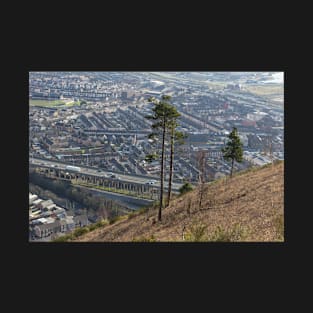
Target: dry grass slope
[{"x": 249, "y": 207}]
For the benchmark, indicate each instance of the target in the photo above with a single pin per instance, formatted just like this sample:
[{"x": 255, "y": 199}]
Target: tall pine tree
[
  {"x": 233, "y": 149},
  {"x": 163, "y": 115}
]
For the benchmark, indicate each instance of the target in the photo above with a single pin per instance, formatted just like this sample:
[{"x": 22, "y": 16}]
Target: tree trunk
[
  {"x": 162, "y": 173},
  {"x": 232, "y": 166},
  {"x": 201, "y": 195},
  {"x": 171, "y": 169},
  {"x": 201, "y": 166}
]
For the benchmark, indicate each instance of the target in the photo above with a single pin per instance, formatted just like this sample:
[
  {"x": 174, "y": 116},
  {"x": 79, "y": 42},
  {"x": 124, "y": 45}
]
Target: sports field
[{"x": 51, "y": 103}]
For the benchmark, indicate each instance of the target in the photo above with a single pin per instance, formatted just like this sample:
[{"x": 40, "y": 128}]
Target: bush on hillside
[
  {"x": 196, "y": 233},
  {"x": 80, "y": 231},
  {"x": 186, "y": 187},
  {"x": 115, "y": 219}
]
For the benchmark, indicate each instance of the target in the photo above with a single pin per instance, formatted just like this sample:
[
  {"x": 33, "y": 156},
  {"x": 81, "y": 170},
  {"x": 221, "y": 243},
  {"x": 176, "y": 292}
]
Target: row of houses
[{"x": 48, "y": 221}]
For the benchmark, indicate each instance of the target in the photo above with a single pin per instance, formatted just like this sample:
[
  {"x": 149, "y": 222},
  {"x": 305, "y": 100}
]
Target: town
[
  {"x": 97, "y": 121},
  {"x": 47, "y": 220}
]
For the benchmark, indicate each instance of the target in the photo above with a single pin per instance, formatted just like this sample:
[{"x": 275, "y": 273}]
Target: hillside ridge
[{"x": 247, "y": 207}]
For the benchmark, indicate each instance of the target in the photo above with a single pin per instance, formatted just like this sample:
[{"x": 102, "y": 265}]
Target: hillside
[{"x": 249, "y": 207}]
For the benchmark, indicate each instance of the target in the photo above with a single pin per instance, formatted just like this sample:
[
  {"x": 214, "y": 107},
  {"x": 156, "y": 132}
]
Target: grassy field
[
  {"x": 272, "y": 92},
  {"x": 51, "y": 103},
  {"x": 216, "y": 85},
  {"x": 46, "y": 103},
  {"x": 266, "y": 90},
  {"x": 72, "y": 104}
]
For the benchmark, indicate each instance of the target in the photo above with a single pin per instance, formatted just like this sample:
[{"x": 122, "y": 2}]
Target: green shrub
[
  {"x": 186, "y": 187},
  {"x": 98, "y": 224},
  {"x": 197, "y": 233},
  {"x": 115, "y": 219},
  {"x": 80, "y": 231},
  {"x": 102, "y": 223},
  {"x": 92, "y": 227}
]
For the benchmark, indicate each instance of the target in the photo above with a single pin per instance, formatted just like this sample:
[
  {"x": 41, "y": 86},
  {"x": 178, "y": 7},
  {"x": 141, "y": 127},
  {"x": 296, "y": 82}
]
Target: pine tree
[
  {"x": 233, "y": 150},
  {"x": 163, "y": 115}
]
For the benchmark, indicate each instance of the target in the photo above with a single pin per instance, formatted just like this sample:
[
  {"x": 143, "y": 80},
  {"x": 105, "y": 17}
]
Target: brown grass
[{"x": 248, "y": 207}]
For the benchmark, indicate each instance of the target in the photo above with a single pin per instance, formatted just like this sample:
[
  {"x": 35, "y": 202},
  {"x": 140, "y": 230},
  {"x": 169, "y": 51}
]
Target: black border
[
  {"x": 253, "y": 36},
  {"x": 175, "y": 256}
]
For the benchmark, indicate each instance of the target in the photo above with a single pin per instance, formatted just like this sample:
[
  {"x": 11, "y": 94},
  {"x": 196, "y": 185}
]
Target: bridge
[{"x": 136, "y": 185}]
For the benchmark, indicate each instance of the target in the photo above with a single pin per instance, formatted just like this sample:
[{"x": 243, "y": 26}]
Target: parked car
[{"x": 151, "y": 182}]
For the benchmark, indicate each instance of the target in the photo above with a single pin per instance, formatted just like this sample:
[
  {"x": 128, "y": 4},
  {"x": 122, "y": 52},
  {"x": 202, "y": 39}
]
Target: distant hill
[{"x": 248, "y": 207}]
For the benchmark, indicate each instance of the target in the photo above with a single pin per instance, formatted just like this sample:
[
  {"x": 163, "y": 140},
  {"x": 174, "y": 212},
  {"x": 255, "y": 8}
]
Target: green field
[
  {"x": 72, "y": 104},
  {"x": 51, "y": 103}
]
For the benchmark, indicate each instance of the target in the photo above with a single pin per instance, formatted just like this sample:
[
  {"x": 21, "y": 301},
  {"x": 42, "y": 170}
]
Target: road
[{"x": 96, "y": 172}]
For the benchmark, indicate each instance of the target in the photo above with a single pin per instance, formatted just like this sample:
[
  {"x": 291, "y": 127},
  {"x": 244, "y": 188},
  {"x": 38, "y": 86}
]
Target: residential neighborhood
[{"x": 48, "y": 221}]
